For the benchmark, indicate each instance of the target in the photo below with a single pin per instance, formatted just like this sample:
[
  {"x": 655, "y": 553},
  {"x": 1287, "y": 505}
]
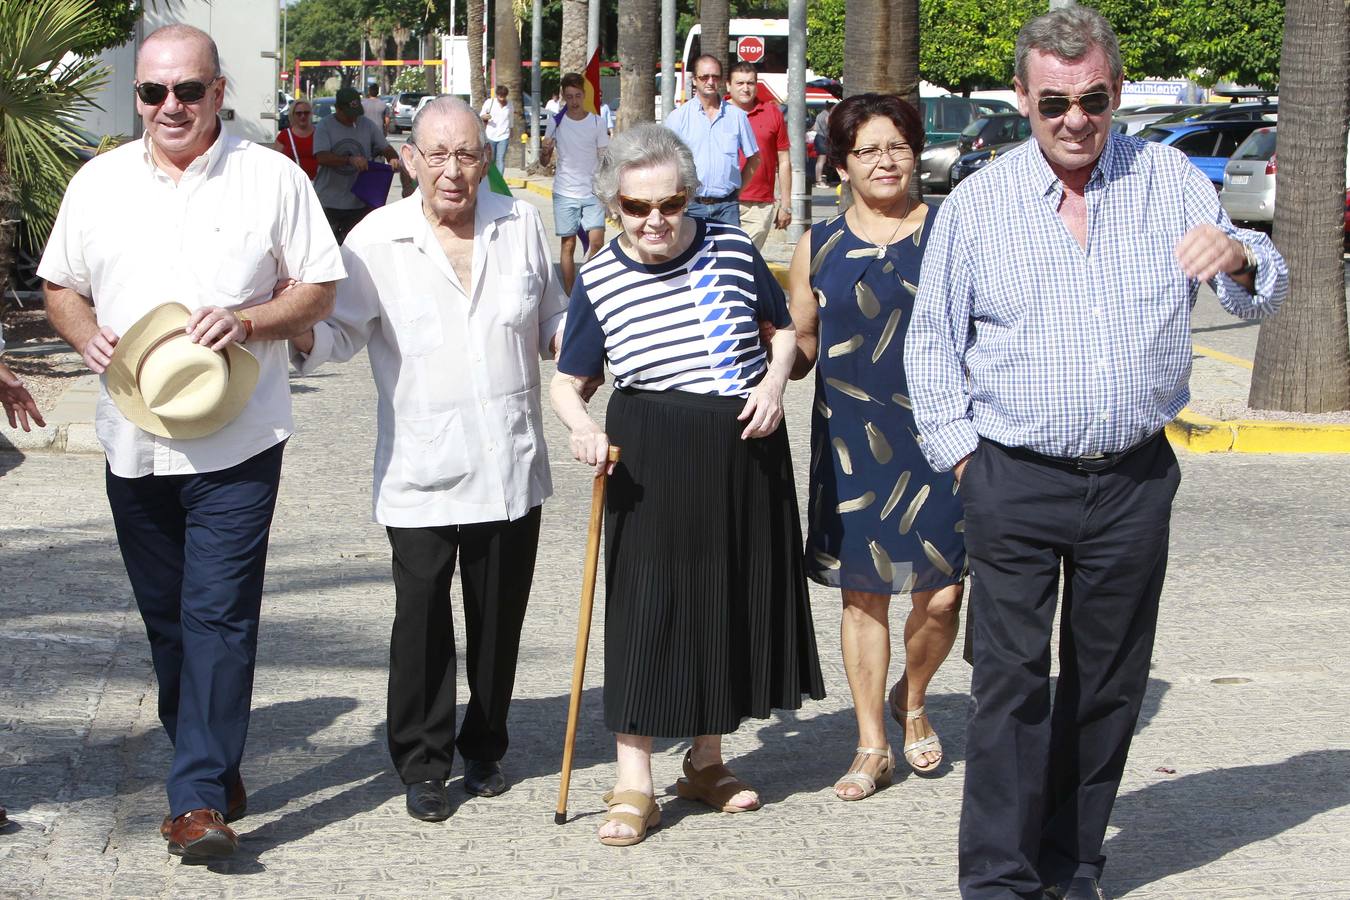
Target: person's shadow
[{"x": 1203, "y": 817}]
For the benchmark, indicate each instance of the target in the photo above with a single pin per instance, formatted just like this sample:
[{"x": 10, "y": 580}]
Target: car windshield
[
  {"x": 1182, "y": 115},
  {"x": 974, "y": 128},
  {"x": 1155, "y": 134},
  {"x": 1258, "y": 145}
]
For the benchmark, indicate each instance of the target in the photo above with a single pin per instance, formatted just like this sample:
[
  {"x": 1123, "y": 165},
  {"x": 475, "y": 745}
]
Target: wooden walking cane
[{"x": 583, "y": 631}]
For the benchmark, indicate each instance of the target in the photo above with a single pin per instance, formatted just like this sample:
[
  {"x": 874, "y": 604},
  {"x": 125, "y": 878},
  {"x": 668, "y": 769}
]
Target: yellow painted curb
[
  {"x": 781, "y": 273},
  {"x": 1201, "y": 434}
]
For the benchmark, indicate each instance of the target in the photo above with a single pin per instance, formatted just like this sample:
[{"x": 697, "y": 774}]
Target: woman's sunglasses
[
  {"x": 641, "y": 209},
  {"x": 1093, "y": 104},
  {"x": 153, "y": 94}
]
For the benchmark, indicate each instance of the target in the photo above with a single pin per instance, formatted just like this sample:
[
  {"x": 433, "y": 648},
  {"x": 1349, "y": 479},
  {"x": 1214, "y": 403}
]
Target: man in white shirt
[
  {"x": 375, "y": 109},
  {"x": 578, "y": 137},
  {"x": 496, "y": 115},
  {"x": 221, "y": 225},
  {"x": 453, "y": 295}
]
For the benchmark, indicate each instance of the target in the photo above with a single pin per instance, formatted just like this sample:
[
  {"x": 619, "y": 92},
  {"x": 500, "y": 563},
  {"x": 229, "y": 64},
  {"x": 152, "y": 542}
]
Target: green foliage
[
  {"x": 1239, "y": 43},
  {"x": 110, "y": 26},
  {"x": 40, "y": 101},
  {"x": 968, "y": 44},
  {"x": 825, "y": 45}
]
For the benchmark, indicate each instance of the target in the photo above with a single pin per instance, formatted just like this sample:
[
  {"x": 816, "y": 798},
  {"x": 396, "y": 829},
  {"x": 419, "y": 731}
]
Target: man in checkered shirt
[{"x": 1049, "y": 348}]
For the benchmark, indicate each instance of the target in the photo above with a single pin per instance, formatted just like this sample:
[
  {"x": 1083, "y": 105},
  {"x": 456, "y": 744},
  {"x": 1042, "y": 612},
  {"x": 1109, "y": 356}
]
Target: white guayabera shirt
[
  {"x": 240, "y": 219},
  {"x": 460, "y": 430}
]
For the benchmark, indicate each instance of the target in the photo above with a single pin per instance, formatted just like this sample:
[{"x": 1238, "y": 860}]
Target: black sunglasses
[
  {"x": 641, "y": 209},
  {"x": 153, "y": 93},
  {"x": 1093, "y": 104}
]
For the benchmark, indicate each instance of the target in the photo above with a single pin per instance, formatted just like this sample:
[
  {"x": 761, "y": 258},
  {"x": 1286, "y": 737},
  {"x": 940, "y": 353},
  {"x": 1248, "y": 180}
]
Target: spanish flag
[{"x": 592, "y": 78}]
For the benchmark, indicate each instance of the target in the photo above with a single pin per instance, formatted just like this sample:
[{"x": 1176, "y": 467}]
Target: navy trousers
[
  {"x": 1040, "y": 782},
  {"x": 195, "y": 547}
]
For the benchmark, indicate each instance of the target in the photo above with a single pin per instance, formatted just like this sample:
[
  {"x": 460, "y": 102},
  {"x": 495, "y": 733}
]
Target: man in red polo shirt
[{"x": 764, "y": 205}]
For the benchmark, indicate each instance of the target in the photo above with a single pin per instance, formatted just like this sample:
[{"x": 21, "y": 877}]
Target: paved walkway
[{"x": 1237, "y": 786}]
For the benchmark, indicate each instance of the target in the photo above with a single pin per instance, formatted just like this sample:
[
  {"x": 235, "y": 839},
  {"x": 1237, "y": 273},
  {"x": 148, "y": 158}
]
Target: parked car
[
  {"x": 994, "y": 131},
  {"x": 1208, "y": 144},
  {"x": 1135, "y": 122},
  {"x": 323, "y": 108},
  {"x": 1248, "y": 192},
  {"x": 944, "y": 118},
  {"x": 968, "y": 164},
  {"x": 405, "y": 106},
  {"x": 935, "y": 166},
  {"x": 1260, "y": 111}
]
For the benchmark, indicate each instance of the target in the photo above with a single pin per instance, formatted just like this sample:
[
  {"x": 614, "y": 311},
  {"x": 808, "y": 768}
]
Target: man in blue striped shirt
[{"x": 1050, "y": 346}]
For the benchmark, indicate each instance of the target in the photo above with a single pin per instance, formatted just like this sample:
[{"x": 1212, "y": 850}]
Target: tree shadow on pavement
[{"x": 1203, "y": 817}]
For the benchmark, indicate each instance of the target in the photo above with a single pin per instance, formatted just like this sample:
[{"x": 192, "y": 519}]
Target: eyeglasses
[
  {"x": 153, "y": 93},
  {"x": 641, "y": 209},
  {"x": 871, "y": 156},
  {"x": 1093, "y": 104},
  {"x": 467, "y": 159},
  {"x": 711, "y": 76}
]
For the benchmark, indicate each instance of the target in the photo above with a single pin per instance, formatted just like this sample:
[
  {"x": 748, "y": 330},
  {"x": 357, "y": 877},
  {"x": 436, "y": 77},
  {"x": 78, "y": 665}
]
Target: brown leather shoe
[
  {"x": 202, "y": 833},
  {"x": 238, "y": 805}
]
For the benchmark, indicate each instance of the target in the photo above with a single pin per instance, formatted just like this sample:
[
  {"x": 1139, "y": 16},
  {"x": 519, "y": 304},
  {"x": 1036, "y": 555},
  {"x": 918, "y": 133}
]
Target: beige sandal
[
  {"x": 702, "y": 785},
  {"x": 866, "y": 783},
  {"x": 648, "y": 816},
  {"x": 914, "y": 750}
]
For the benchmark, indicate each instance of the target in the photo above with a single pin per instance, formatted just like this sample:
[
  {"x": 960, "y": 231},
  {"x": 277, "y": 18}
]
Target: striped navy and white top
[{"x": 688, "y": 324}]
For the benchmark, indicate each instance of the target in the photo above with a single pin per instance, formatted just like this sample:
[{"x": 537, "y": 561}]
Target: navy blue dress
[{"x": 880, "y": 520}]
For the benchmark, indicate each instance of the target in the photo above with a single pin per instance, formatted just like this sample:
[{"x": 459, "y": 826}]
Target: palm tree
[
  {"x": 506, "y": 51},
  {"x": 714, "y": 19},
  {"x": 572, "y": 54},
  {"x": 1302, "y": 355},
  {"x": 637, "y": 61},
  {"x": 867, "y": 47},
  {"x": 40, "y": 100},
  {"x": 477, "y": 80}
]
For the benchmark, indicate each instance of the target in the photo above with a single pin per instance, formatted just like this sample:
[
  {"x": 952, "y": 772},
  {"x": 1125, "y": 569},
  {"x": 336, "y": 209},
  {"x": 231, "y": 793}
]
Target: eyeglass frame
[
  {"x": 1072, "y": 101},
  {"x": 706, "y": 76},
  {"x": 890, "y": 151},
  {"x": 173, "y": 89},
  {"x": 682, "y": 196},
  {"x": 479, "y": 159}
]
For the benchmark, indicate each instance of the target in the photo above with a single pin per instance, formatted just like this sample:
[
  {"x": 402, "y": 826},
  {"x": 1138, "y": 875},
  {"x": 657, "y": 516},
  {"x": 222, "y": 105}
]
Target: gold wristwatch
[
  {"x": 1248, "y": 267},
  {"x": 246, "y": 322}
]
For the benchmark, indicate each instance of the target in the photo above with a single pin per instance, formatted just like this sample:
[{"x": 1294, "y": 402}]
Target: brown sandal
[
  {"x": 648, "y": 816},
  {"x": 703, "y": 785}
]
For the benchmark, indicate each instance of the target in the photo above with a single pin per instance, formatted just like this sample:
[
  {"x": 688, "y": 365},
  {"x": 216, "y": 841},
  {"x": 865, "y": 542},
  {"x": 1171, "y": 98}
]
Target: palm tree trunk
[
  {"x": 904, "y": 69},
  {"x": 506, "y": 51},
  {"x": 637, "y": 61},
  {"x": 572, "y": 51},
  {"x": 477, "y": 80},
  {"x": 8, "y": 226},
  {"x": 1303, "y": 354},
  {"x": 867, "y": 46},
  {"x": 714, "y": 21}
]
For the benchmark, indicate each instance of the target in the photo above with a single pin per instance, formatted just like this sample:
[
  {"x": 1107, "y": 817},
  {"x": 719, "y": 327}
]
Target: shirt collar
[
  {"x": 1045, "y": 181},
  {"x": 204, "y": 163}
]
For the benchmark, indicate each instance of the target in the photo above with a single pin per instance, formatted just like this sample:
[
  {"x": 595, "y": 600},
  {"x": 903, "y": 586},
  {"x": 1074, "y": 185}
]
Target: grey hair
[
  {"x": 640, "y": 147},
  {"x": 182, "y": 33},
  {"x": 1070, "y": 33},
  {"x": 448, "y": 105}
]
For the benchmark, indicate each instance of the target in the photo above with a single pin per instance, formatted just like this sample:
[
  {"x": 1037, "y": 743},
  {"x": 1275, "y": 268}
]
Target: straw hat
[{"x": 169, "y": 386}]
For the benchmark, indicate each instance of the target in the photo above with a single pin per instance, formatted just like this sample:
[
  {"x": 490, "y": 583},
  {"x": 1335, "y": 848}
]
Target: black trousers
[
  {"x": 195, "y": 547},
  {"x": 496, "y": 562},
  {"x": 1040, "y": 783}
]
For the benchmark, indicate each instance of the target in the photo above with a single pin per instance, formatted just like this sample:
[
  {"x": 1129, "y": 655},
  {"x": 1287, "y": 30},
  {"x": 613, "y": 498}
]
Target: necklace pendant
[{"x": 881, "y": 251}]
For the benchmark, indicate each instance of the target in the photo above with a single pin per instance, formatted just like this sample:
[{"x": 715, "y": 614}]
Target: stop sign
[{"x": 750, "y": 48}]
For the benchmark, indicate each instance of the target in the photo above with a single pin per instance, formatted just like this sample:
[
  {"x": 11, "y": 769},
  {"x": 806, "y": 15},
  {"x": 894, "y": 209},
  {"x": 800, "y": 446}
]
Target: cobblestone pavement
[{"x": 1237, "y": 786}]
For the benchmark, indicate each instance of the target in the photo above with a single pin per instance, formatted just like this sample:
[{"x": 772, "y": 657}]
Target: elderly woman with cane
[{"x": 707, "y": 617}]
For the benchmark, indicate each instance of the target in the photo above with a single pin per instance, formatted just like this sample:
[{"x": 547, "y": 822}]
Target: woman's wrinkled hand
[
  {"x": 763, "y": 409},
  {"x": 591, "y": 446}
]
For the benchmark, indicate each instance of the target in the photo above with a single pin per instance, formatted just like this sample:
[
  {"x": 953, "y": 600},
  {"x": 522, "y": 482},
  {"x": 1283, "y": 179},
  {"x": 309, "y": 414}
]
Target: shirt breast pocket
[
  {"x": 518, "y": 298},
  {"x": 245, "y": 268},
  {"x": 417, "y": 322},
  {"x": 729, "y": 145}
]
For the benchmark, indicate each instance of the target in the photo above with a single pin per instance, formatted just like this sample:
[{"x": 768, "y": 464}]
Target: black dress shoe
[
  {"x": 484, "y": 778},
  {"x": 1083, "y": 887},
  {"x": 428, "y": 801}
]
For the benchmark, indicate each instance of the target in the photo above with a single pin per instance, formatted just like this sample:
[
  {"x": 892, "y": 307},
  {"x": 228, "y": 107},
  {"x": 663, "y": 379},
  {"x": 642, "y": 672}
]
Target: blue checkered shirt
[{"x": 1022, "y": 336}]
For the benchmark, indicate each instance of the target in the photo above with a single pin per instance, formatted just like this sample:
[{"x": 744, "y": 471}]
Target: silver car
[{"x": 1248, "y": 192}]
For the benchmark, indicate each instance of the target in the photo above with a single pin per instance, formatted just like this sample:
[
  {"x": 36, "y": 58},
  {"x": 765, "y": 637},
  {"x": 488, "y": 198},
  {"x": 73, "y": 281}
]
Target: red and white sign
[{"x": 750, "y": 48}]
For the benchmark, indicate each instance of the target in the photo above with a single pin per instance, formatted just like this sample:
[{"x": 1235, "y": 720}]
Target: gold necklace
[{"x": 881, "y": 248}]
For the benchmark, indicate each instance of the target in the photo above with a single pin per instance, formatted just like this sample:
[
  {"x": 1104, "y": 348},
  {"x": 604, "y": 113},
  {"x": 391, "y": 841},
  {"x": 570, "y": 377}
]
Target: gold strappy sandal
[
  {"x": 858, "y": 777},
  {"x": 914, "y": 750}
]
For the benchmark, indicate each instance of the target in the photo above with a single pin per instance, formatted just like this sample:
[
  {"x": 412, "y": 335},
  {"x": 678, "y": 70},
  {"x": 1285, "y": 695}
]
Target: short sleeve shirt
[
  {"x": 689, "y": 324},
  {"x": 333, "y": 184},
  {"x": 579, "y": 142},
  {"x": 766, "y": 121},
  {"x": 499, "y": 119},
  {"x": 717, "y": 144}
]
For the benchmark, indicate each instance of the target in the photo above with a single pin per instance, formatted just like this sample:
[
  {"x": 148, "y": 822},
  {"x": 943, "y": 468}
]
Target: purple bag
[{"x": 372, "y": 186}]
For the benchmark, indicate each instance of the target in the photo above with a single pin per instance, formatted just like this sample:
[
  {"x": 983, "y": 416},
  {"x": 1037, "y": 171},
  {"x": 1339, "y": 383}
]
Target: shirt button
[{"x": 1105, "y": 417}]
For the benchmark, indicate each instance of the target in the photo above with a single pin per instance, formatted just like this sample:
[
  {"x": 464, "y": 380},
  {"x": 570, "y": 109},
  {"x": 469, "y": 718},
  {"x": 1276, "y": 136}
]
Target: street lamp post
[
  {"x": 536, "y": 80},
  {"x": 801, "y": 194}
]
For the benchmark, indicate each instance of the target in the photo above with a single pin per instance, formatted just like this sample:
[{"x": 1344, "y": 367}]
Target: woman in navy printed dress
[{"x": 880, "y": 521}]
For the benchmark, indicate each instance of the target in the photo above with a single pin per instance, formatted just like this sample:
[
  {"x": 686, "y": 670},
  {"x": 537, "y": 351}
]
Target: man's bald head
[
  {"x": 184, "y": 34},
  {"x": 446, "y": 106}
]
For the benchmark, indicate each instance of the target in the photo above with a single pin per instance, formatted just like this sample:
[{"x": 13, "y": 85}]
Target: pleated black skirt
[{"x": 707, "y": 619}]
